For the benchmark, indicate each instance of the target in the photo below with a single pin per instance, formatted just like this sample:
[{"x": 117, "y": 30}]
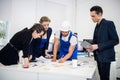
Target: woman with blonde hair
[{"x": 39, "y": 46}]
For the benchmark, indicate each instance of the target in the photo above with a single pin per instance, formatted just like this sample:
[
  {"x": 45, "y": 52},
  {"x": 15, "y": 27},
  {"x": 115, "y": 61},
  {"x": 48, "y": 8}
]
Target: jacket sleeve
[
  {"x": 26, "y": 43},
  {"x": 49, "y": 32},
  {"x": 31, "y": 47},
  {"x": 113, "y": 38},
  {"x": 25, "y": 52}
]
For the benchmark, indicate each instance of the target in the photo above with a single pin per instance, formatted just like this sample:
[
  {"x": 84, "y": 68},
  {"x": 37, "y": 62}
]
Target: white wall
[
  {"x": 24, "y": 13},
  {"x": 57, "y": 10},
  {"x": 5, "y": 10}
]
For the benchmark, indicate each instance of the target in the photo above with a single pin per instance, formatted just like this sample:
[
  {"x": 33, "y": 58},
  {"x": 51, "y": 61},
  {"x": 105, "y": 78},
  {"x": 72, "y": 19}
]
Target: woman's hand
[
  {"x": 26, "y": 63},
  {"x": 48, "y": 55},
  {"x": 30, "y": 57}
]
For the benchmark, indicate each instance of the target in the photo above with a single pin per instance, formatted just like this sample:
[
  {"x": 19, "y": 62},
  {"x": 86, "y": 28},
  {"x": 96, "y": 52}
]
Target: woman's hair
[
  {"x": 44, "y": 19},
  {"x": 38, "y": 27},
  {"x": 96, "y": 8}
]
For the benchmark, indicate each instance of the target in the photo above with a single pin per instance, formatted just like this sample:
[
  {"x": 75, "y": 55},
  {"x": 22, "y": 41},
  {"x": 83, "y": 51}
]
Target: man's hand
[
  {"x": 88, "y": 50},
  {"x": 61, "y": 60},
  {"x": 53, "y": 60},
  {"x": 92, "y": 48}
]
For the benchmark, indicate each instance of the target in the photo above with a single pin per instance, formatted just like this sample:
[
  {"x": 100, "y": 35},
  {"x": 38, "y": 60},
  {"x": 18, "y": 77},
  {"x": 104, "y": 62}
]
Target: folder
[{"x": 85, "y": 44}]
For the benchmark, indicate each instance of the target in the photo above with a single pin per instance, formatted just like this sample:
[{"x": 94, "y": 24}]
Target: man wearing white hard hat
[{"x": 68, "y": 44}]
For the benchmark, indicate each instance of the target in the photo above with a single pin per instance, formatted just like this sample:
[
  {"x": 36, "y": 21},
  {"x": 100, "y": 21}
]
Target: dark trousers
[
  {"x": 9, "y": 55},
  {"x": 104, "y": 70}
]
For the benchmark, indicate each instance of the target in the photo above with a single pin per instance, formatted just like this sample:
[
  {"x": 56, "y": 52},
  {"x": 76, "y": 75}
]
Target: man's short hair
[{"x": 97, "y": 9}]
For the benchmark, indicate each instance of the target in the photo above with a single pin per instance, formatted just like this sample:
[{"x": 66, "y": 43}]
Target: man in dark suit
[{"x": 104, "y": 40}]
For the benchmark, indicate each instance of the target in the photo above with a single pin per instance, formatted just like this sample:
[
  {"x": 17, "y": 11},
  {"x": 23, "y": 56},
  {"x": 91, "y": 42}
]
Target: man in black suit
[{"x": 104, "y": 39}]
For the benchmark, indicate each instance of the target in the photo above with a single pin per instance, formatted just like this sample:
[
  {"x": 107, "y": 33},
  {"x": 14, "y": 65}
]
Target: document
[
  {"x": 85, "y": 44},
  {"x": 42, "y": 59}
]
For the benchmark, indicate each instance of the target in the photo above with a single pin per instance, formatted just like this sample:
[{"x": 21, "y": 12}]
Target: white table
[{"x": 51, "y": 71}]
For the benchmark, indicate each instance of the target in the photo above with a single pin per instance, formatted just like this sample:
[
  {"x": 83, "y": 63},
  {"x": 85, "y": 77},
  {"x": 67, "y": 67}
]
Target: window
[{"x": 3, "y": 32}]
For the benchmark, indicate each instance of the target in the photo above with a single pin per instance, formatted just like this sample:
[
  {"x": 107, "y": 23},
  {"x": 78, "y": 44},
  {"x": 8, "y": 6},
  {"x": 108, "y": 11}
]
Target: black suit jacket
[
  {"x": 107, "y": 38},
  {"x": 21, "y": 41}
]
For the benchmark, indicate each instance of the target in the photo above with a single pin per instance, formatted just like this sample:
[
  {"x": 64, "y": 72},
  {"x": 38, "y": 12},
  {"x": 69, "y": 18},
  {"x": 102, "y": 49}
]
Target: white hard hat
[{"x": 65, "y": 26}]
